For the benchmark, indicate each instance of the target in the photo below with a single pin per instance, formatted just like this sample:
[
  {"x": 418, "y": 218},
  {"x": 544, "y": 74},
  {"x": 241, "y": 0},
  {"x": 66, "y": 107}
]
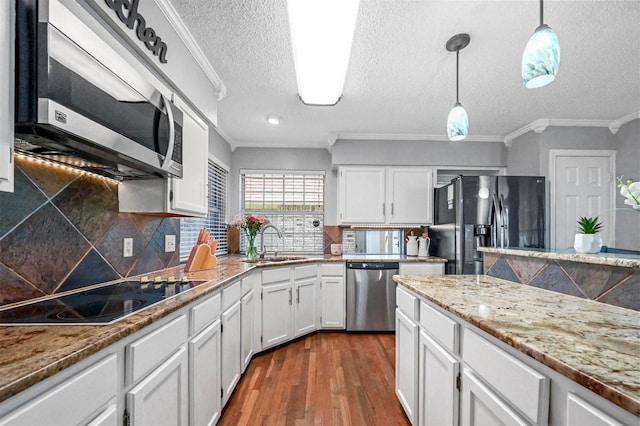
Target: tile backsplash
[{"x": 60, "y": 230}]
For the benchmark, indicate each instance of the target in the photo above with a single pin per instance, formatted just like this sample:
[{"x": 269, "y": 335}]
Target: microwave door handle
[{"x": 172, "y": 137}]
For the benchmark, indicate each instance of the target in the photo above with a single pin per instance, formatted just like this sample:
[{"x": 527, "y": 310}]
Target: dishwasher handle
[{"x": 373, "y": 265}]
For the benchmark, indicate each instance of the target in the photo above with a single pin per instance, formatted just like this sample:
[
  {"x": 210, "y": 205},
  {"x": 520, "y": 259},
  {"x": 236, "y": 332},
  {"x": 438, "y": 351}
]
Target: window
[
  {"x": 216, "y": 217},
  {"x": 291, "y": 201}
]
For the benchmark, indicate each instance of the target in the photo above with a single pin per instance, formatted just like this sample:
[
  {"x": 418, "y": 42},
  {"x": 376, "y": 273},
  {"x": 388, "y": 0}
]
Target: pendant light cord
[
  {"x": 541, "y": 20},
  {"x": 457, "y": 67}
]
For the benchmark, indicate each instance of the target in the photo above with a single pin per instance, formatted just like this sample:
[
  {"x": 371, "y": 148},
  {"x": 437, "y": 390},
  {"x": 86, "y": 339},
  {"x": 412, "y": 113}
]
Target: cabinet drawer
[
  {"x": 520, "y": 385},
  {"x": 332, "y": 269},
  {"x": 147, "y": 352},
  {"x": 421, "y": 268},
  {"x": 308, "y": 271},
  {"x": 246, "y": 284},
  {"x": 270, "y": 276},
  {"x": 444, "y": 329},
  {"x": 94, "y": 386},
  {"x": 407, "y": 303},
  {"x": 230, "y": 295},
  {"x": 205, "y": 313}
]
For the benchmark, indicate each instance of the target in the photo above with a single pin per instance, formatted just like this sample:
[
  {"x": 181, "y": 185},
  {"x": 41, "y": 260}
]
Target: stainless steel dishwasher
[{"x": 371, "y": 296}]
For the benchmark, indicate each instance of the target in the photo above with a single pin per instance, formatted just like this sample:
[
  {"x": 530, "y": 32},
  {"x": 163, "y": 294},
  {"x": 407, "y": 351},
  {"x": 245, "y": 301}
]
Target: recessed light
[{"x": 274, "y": 119}]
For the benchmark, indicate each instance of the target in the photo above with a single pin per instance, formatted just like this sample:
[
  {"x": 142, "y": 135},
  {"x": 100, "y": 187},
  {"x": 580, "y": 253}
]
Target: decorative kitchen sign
[{"x": 145, "y": 34}]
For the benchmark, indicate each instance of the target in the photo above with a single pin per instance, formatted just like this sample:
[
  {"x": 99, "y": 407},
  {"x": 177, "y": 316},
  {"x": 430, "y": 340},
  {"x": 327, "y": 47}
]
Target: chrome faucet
[{"x": 263, "y": 251}]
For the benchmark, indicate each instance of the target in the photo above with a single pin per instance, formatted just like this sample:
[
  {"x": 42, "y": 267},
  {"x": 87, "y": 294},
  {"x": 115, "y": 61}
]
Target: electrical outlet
[
  {"x": 127, "y": 249},
  {"x": 169, "y": 243}
]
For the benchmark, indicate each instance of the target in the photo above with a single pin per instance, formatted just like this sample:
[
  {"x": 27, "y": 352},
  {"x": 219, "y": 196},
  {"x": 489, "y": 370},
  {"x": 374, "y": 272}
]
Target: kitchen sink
[{"x": 274, "y": 259}]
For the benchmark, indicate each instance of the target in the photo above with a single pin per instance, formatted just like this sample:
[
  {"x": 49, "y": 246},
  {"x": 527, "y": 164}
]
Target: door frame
[{"x": 553, "y": 155}]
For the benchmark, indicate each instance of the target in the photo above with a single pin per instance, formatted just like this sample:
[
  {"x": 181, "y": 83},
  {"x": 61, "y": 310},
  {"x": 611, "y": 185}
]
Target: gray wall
[
  {"x": 529, "y": 154},
  {"x": 219, "y": 148}
]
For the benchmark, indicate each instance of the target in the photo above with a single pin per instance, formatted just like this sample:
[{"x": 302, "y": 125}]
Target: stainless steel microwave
[{"x": 80, "y": 101}]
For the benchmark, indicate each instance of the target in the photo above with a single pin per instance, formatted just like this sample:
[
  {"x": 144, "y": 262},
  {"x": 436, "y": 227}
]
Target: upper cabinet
[
  {"x": 6, "y": 95},
  {"x": 385, "y": 195},
  {"x": 183, "y": 197}
]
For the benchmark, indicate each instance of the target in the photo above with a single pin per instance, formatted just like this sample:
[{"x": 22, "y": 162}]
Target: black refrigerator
[{"x": 494, "y": 211}]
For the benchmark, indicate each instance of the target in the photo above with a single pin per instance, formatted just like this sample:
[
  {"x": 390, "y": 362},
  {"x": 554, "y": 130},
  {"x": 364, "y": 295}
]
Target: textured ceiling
[{"x": 401, "y": 79}]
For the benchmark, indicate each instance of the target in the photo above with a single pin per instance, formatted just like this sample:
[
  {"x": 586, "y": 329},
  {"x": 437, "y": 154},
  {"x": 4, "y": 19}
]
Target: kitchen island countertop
[
  {"x": 570, "y": 255},
  {"x": 592, "y": 343}
]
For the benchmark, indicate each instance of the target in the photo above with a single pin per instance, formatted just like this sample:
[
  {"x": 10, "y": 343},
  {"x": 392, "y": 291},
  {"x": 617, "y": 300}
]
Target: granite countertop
[
  {"x": 592, "y": 343},
  {"x": 612, "y": 259},
  {"x": 31, "y": 353}
]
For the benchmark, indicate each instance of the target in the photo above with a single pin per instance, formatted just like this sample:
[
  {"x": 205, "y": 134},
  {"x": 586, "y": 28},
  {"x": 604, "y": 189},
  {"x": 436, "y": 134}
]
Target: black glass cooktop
[{"x": 100, "y": 305}]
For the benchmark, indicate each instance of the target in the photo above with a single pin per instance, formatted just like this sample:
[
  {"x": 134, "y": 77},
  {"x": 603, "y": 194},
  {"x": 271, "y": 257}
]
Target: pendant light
[
  {"x": 541, "y": 57},
  {"x": 458, "y": 121}
]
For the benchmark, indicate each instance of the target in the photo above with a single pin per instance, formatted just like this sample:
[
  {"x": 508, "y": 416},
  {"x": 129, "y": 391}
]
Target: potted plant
[{"x": 587, "y": 240}]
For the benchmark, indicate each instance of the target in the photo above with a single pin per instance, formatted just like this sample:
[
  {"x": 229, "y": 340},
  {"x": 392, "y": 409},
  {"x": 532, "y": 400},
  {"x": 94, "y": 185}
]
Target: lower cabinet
[
  {"x": 438, "y": 390},
  {"x": 332, "y": 287},
  {"x": 306, "y": 318},
  {"x": 205, "y": 403},
  {"x": 407, "y": 364},
  {"x": 161, "y": 398},
  {"x": 276, "y": 314},
  {"x": 580, "y": 413},
  {"x": 247, "y": 312},
  {"x": 231, "y": 355}
]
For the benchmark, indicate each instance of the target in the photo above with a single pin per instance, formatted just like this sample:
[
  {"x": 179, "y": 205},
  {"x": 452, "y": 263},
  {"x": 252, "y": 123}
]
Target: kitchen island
[
  {"x": 593, "y": 344},
  {"x": 606, "y": 277}
]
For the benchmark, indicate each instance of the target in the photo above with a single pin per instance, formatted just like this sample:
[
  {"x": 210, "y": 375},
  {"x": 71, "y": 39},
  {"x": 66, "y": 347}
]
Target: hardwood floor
[{"x": 321, "y": 379}]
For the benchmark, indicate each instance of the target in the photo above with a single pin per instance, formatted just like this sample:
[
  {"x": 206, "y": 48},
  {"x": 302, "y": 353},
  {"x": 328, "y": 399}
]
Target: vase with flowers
[{"x": 251, "y": 225}]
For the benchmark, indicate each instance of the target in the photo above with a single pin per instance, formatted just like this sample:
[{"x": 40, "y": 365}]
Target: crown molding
[
  {"x": 180, "y": 27},
  {"x": 410, "y": 137},
  {"x": 540, "y": 125}
]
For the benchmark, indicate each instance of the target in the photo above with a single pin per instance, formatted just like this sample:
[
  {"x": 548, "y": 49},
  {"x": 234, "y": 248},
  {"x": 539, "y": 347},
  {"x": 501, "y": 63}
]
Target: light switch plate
[
  {"x": 169, "y": 243},
  {"x": 127, "y": 249}
]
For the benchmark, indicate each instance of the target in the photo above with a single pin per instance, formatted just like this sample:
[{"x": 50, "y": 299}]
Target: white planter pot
[{"x": 587, "y": 243}]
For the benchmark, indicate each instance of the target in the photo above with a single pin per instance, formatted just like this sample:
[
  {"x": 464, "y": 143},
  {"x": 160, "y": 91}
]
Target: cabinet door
[
  {"x": 361, "y": 195},
  {"x": 580, "y": 412},
  {"x": 410, "y": 195},
  {"x": 231, "y": 356},
  {"x": 205, "y": 403},
  {"x": 162, "y": 397},
  {"x": 305, "y": 312},
  {"x": 247, "y": 314},
  {"x": 407, "y": 364},
  {"x": 333, "y": 302},
  {"x": 437, "y": 390},
  {"x": 190, "y": 193},
  {"x": 480, "y": 406},
  {"x": 7, "y": 19},
  {"x": 276, "y": 314}
]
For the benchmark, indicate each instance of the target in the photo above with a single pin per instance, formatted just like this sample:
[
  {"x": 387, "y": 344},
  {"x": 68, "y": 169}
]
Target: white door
[
  {"x": 333, "y": 302},
  {"x": 231, "y": 355},
  {"x": 361, "y": 195},
  {"x": 306, "y": 317},
  {"x": 582, "y": 184},
  {"x": 161, "y": 398},
  {"x": 205, "y": 403},
  {"x": 580, "y": 412},
  {"x": 247, "y": 312},
  {"x": 410, "y": 195},
  {"x": 438, "y": 394},
  {"x": 407, "y": 365},
  {"x": 276, "y": 314}
]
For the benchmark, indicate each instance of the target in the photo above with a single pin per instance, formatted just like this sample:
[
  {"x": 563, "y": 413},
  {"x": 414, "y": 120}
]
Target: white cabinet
[
  {"x": 580, "y": 412},
  {"x": 410, "y": 195},
  {"x": 108, "y": 417},
  {"x": 231, "y": 358},
  {"x": 332, "y": 287},
  {"x": 437, "y": 384},
  {"x": 161, "y": 398},
  {"x": 86, "y": 391},
  {"x": 306, "y": 316},
  {"x": 385, "y": 195},
  {"x": 361, "y": 195},
  {"x": 421, "y": 268},
  {"x": 407, "y": 364},
  {"x": 247, "y": 317},
  {"x": 187, "y": 196},
  {"x": 481, "y": 406},
  {"x": 205, "y": 404},
  {"x": 7, "y": 18}
]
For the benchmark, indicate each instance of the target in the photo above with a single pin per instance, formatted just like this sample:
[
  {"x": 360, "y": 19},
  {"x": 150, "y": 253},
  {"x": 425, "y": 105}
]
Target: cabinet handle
[
  {"x": 298, "y": 295},
  {"x": 391, "y": 209},
  {"x": 290, "y": 302}
]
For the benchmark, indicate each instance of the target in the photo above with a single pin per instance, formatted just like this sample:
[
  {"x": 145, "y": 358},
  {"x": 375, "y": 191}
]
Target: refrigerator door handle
[
  {"x": 497, "y": 223},
  {"x": 505, "y": 221}
]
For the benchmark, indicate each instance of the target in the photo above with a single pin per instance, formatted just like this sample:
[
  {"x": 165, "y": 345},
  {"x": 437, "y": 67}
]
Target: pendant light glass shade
[
  {"x": 457, "y": 123},
  {"x": 541, "y": 57}
]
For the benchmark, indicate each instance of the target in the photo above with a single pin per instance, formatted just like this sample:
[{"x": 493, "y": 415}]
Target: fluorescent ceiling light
[
  {"x": 274, "y": 119},
  {"x": 321, "y": 36}
]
